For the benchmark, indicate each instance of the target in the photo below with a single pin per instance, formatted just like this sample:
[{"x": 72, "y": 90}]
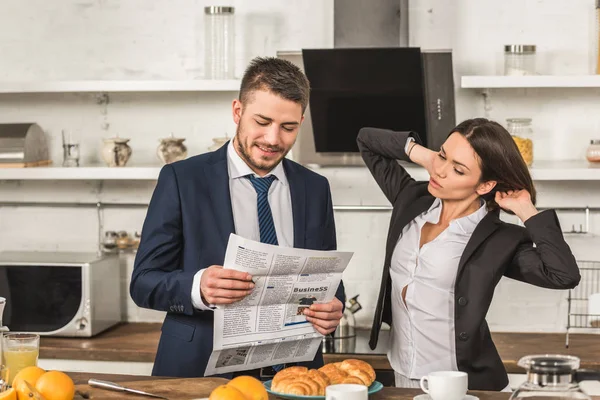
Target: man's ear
[{"x": 236, "y": 110}]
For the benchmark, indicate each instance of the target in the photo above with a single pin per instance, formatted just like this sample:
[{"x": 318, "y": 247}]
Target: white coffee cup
[
  {"x": 446, "y": 385},
  {"x": 346, "y": 391}
]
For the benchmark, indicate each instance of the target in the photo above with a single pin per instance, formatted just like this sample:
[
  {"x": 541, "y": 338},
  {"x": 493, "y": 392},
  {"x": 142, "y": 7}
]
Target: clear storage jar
[
  {"x": 519, "y": 59},
  {"x": 522, "y": 133},
  {"x": 219, "y": 36}
]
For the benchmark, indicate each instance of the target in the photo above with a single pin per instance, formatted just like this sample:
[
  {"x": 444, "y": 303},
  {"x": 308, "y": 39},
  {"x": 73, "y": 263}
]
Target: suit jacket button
[
  {"x": 463, "y": 336},
  {"x": 462, "y": 301}
]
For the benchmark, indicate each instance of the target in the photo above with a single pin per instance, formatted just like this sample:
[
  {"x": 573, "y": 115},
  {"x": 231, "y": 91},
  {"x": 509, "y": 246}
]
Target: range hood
[
  {"x": 371, "y": 78},
  {"x": 372, "y": 23}
]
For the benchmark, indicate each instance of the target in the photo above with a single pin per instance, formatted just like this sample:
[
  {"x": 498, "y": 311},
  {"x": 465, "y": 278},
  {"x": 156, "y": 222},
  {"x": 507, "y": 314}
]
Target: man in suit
[{"x": 246, "y": 187}]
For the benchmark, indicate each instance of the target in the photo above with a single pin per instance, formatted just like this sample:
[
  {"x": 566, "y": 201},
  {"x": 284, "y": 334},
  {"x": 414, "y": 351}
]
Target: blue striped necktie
[{"x": 265, "y": 218}]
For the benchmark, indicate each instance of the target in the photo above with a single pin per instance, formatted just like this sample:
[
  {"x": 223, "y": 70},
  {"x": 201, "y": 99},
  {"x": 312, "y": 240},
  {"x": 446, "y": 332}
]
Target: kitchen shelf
[
  {"x": 80, "y": 173},
  {"x": 120, "y": 86},
  {"x": 541, "y": 171},
  {"x": 533, "y": 81}
]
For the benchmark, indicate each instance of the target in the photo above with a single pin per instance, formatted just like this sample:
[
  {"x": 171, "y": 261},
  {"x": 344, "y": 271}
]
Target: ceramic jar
[
  {"x": 593, "y": 151},
  {"x": 116, "y": 152},
  {"x": 171, "y": 149},
  {"x": 218, "y": 143}
]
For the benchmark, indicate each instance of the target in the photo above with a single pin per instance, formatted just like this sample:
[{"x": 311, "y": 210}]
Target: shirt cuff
[
  {"x": 197, "y": 301},
  {"x": 407, "y": 145}
]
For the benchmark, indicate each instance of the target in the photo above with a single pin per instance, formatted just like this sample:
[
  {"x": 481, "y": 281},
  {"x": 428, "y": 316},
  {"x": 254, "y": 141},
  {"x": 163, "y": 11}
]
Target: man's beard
[{"x": 244, "y": 151}]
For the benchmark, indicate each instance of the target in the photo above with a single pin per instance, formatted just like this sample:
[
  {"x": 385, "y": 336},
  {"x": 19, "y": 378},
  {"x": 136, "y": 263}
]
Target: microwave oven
[{"x": 60, "y": 293}]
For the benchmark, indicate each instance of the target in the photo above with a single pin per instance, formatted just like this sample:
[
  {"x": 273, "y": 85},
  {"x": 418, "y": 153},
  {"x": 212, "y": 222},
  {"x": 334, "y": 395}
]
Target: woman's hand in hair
[
  {"x": 422, "y": 156},
  {"x": 517, "y": 201}
]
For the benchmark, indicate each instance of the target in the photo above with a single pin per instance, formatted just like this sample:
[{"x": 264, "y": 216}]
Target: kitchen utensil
[
  {"x": 171, "y": 149},
  {"x": 428, "y": 397},
  {"x": 553, "y": 376},
  {"x": 70, "y": 149},
  {"x": 522, "y": 133},
  {"x": 346, "y": 392},
  {"x": 33, "y": 392},
  {"x": 219, "y": 36},
  {"x": 118, "y": 388},
  {"x": 20, "y": 350},
  {"x": 519, "y": 59},
  {"x": 2, "y": 329},
  {"x": 593, "y": 151},
  {"x": 218, "y": 142},
  {"x": 116, "y": 152},
  {"x": 598, "y": 36},
  {"x": 23, "y": 145},
  {"x": 594, "y": 310},
  {"x": 3, "y": 378},
  {"x": 446, "y": 385}
]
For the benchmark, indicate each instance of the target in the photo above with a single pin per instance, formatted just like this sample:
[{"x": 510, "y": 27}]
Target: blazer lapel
[
  {"x": 218, "y": 176},
  {"x": 298, "y": 195},
  {"x": 416, "y": 208},
  {"x": 484, "y": 229}
]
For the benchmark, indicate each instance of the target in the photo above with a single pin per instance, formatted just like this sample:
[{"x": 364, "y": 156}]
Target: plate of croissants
[{"x": 303, "y": 383}]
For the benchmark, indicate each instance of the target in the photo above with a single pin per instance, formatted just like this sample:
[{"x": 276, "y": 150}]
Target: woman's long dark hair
[{"x": 499, "y": 158}]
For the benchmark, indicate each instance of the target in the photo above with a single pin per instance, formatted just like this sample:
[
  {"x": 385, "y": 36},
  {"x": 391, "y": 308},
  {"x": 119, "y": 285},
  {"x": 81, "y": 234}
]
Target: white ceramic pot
[
  {"x": 218, "y": 143},
  {"x": 171, "y": 149},
  {"x": 116, "y": 152}
]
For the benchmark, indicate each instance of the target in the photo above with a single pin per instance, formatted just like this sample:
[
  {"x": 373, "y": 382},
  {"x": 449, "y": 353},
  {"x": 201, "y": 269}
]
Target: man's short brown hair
[{"x": 277, "y": 76}]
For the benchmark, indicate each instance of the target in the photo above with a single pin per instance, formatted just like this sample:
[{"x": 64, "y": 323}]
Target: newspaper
[{"x": 269, "y": 327}]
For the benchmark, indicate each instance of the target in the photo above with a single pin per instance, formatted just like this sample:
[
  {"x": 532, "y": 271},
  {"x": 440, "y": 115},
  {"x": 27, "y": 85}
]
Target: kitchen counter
[
  {"x": 187, "y": 389},
  {"x": 137, "y": 342}
]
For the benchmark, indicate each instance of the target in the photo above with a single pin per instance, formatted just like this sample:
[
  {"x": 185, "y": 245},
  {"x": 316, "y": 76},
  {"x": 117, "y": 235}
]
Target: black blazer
[{"x": 495, "y": 249}]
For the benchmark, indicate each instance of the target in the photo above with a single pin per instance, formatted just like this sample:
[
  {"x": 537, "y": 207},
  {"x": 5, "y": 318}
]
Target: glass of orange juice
[{"x": 19, "y": 350}]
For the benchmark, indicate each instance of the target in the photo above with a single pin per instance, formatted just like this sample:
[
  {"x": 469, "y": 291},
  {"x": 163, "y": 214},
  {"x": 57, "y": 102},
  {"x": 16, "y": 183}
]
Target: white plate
[{"x": 427, "y": 397}]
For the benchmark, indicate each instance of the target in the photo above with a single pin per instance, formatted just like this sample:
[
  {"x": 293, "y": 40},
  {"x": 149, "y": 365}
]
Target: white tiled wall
[{"x": 153, "y": 39}]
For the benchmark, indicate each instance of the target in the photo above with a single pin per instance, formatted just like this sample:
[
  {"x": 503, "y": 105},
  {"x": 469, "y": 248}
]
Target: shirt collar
[
  {"x": 466, "y": 224},
  {"x": 238, "y": 168}
]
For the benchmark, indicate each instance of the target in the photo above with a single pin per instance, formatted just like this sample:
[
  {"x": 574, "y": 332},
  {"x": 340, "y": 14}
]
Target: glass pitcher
[{"x": 552, "y": 377}]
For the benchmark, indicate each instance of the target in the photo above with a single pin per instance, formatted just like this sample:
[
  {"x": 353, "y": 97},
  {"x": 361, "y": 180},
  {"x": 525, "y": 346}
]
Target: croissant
[
  {"x": 307, "y": 383},
  {"x": 302, "y": 381}
]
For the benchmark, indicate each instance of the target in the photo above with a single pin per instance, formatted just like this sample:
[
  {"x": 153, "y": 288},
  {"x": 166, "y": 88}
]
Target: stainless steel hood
[
  {"x": 369, "y": 71},
  {"x": 370, "y": 23}
]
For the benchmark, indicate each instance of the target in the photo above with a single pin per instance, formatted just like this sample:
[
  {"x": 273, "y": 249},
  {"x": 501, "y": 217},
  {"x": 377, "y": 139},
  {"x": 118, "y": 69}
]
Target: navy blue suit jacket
[{"x": 187, "y": 227}]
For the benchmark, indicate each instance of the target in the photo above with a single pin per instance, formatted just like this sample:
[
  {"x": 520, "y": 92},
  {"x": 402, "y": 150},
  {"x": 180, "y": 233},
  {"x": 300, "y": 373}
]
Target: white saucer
[{"x": 427, "y": 397}]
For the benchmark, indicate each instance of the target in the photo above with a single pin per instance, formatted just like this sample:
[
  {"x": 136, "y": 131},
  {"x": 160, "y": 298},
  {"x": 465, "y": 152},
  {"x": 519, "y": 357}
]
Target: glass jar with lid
[
  {"x": 219, "y": 36},
  {"x": 522, "y": 133},
  {"x": 552, "y": 377},
  {"x": 519, "y": 59},
  {"x": 593, "y": 151}
]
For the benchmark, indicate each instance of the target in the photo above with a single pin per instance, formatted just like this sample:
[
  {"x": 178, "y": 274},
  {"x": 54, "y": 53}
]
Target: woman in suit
[{"x": 447, "y": 248}]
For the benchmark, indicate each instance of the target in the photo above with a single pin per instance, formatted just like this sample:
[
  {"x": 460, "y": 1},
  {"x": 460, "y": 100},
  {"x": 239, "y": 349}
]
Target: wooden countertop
[
  {"x": 137, "y": 342},
  {"x": 187, "y": 389}
]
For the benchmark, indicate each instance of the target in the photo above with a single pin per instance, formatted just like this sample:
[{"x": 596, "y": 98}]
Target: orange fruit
[
  {"x": 29, "y": 374},
  {"x": 10, "y": 394},
  {"x": 24, "y": 393},
  {"x": 251, "y": 387},
  {"x": 225, "y": 392},
  {"x": 56, "y": 385}
]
